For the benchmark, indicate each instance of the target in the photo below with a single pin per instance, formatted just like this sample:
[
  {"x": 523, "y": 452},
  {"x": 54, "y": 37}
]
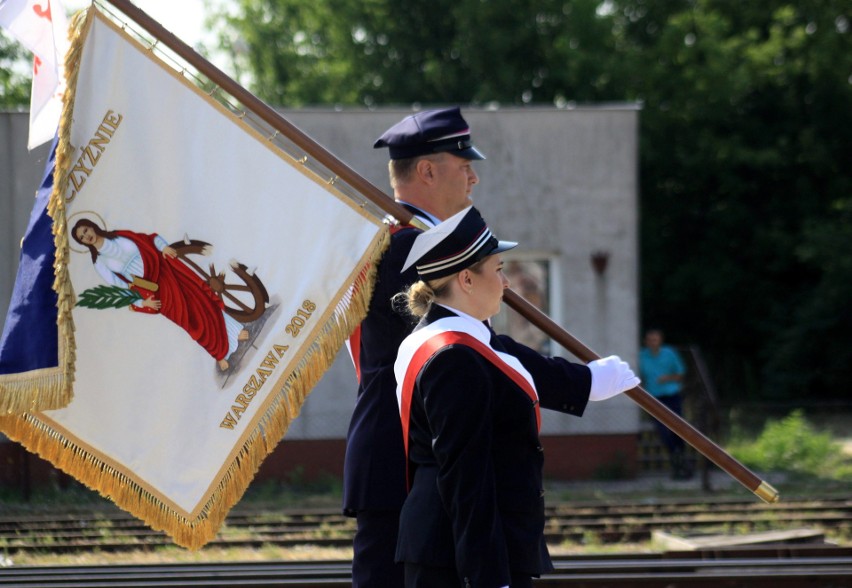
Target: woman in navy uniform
[
  {"x": 431, "y": 158},
  {"x": 469, "y": 405}
]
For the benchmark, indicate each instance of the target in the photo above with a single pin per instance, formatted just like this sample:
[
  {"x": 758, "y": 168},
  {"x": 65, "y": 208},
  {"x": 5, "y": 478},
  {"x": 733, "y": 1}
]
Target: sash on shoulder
[{"x": 428, "y": 349}]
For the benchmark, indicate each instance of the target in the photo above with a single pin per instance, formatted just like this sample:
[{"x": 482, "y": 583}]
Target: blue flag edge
[{"x": 32, "y": 376}]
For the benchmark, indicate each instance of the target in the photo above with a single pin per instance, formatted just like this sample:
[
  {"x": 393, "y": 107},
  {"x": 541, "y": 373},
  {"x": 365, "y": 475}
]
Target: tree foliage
[
  {"x": 374, "y": 52},
  {"x": 746, "y": 136},
  {"x": 14, "y": 87},
  {"x": 745, "y": 176}
]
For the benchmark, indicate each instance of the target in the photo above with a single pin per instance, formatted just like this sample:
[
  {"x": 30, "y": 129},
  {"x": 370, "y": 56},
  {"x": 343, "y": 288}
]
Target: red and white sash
[{"x": 421, "y": 345}]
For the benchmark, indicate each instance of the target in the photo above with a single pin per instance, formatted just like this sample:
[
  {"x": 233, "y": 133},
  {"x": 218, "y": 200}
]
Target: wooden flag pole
[{"x": 650, "y": 404}]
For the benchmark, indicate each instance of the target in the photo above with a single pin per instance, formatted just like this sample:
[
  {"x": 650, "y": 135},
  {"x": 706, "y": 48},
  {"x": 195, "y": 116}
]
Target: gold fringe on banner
[
  {"x": 41, "y": 439},
  {"x": 44, "y": 389},
  {"x": 53, "y": 388},
  {"x": 285, "y": 405}
]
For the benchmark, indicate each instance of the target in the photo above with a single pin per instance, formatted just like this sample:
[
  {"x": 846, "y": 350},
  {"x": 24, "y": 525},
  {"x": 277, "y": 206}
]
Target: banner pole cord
[{"x": 647, "y": 402}]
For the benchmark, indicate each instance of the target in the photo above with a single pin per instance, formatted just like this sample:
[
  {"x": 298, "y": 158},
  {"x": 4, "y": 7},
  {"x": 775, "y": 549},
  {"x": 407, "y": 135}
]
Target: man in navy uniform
[{"x": 431, "y": 173}]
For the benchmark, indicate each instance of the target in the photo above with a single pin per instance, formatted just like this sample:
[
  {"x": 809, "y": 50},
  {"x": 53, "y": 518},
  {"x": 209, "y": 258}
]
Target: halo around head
[{"x": 77, "y": 217}]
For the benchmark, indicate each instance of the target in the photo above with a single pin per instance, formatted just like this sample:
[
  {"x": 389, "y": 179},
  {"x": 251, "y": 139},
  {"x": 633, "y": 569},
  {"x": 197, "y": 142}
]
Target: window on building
[{"x": 531, "y": 278}]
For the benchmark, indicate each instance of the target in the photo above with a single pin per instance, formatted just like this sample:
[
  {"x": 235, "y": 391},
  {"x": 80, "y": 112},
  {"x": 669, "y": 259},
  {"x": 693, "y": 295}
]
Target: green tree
[
  {"x": 745, "y": 139},
  {"x": 380, "y": 52},
  {"x": 14, "y": 86},
  {"x": 812, "y": 352}
]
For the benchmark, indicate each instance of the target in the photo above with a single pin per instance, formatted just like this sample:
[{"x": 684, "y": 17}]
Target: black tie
[{"x": 495, "y": 341}]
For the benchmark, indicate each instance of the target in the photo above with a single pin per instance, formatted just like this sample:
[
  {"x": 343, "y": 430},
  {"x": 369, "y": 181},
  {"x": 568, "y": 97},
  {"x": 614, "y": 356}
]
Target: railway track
[
  {"x": 803, "y": 568},
  {"x": 567, "y": 523}
]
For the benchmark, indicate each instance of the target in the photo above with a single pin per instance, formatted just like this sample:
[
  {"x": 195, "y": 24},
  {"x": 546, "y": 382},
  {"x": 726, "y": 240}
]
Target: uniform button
[
  {"x": 540, "y": 449},
  {"x": 467, "y": 583}
]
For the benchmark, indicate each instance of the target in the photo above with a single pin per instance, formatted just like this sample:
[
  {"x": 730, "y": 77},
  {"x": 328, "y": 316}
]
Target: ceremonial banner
[
  {"x": 205, "y": 281},
  {"x": 32, "y": 376},
  {"x": 41, "y": 26}
]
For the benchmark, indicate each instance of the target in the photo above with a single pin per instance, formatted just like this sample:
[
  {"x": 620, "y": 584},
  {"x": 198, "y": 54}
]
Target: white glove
[{"x": 610, "y": 376}]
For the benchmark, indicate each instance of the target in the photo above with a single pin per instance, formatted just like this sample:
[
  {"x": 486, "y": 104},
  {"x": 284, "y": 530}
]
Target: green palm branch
[{"x": 101, "y": 297}]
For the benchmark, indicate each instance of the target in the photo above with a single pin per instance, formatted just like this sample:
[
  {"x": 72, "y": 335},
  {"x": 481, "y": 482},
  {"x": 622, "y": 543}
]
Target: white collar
[
  {"x": 476, "y": 327},
  {"x": 429, "y": 219},
  {"x": 463, "y": 323}
]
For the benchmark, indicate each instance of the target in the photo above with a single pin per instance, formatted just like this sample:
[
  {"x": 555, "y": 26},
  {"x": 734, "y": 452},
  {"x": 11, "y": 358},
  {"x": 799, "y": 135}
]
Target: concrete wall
[{"x": 564, "y": 183}]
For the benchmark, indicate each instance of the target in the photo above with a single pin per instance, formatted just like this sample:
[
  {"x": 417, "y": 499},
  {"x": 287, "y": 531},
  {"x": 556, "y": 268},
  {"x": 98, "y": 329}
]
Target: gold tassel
[
  {"x": 52, "y": 388},
  {"x": 193, "y": 534},
  {"x": 43, "y": 389}
]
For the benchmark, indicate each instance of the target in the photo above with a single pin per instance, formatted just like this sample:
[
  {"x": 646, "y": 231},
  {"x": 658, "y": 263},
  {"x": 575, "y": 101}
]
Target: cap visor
[
  {"x": 503, "y": 246},
  {"x": 469, "y": 153}
]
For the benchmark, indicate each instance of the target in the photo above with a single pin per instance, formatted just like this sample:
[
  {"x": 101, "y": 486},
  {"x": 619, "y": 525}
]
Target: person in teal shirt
[{"x": 662, "y": 372}]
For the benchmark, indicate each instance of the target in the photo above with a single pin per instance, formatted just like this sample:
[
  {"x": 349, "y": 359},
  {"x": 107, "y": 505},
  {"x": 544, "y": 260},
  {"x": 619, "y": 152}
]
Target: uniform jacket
[
  {"x": 475, "y": 461},
  {"x": 374, "y": 467}
]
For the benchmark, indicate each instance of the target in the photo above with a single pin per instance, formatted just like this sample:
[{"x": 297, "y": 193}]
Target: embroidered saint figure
[{"x": 148, "y": 277}]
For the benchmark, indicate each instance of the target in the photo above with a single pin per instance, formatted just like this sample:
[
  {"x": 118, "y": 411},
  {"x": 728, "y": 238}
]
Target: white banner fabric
[
  {"x": 41, "y": 26},
  {"x": 181, "y": 392}
]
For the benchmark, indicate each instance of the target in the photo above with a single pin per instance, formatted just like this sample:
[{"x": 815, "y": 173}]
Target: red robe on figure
[{"x": 185, "y": 298}]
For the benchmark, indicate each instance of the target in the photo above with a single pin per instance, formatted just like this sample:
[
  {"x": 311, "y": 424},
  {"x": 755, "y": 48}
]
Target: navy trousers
[
  {"x": 374, "y": 550},
  {"x": 671, "y": 441}
]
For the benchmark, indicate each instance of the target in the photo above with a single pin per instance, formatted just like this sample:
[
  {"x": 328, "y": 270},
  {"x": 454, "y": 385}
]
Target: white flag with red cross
[{"x": 42, "y": 27}]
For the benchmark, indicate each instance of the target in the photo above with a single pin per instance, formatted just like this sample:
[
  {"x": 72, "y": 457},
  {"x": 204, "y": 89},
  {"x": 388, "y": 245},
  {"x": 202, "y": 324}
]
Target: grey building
[{"x": 562, "y": 182}]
